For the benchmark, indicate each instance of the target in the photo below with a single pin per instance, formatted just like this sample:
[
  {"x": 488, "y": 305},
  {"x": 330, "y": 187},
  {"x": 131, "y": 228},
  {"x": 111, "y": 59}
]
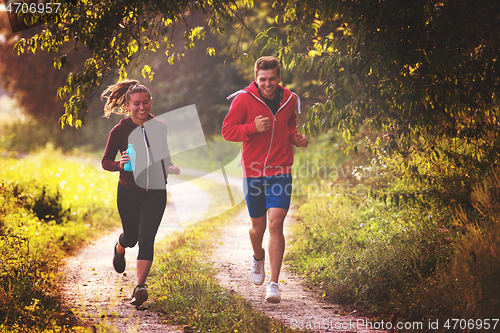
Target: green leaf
[
  {"x": 210, "y": 51},
  {"x": 147, "y": 72}
]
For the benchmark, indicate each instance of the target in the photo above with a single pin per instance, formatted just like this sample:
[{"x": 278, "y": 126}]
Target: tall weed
[{"x": 475, "y": 268}]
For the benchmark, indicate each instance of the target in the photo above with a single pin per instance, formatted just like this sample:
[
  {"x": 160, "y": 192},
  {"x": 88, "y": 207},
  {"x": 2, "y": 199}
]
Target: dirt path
[
  {"x": 298, "y": 308},
  {"x": 102, "y": 296}
]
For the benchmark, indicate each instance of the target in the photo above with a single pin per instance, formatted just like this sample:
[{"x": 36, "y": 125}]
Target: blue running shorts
[{"x": 262, "y": 193}]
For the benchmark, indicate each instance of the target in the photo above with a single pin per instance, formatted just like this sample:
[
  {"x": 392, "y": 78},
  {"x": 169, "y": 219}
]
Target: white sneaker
[
  {"x": 273, "y": 293},
  {"x": 257, "y": 270}
]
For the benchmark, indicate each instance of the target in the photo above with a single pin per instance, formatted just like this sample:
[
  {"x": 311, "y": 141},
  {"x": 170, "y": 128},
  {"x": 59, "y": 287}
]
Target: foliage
[
  {"x": 49, "y": 207},
  {"x": 28, "y": 283},
  {"x": 37, "y": 96},
  {"x": 476, "y": 262},
  {"x": 411, "y": 70},
  {"x": 128, "y": 28},
  {"x": 416, "y": 71},
  {"x": 422, "y": 257},
  {"x": 38, "y": 108},
  {"x": 27, "y": 134},
  {"x": 196, "y": 78},
  {"x": 245, "y": 40}
]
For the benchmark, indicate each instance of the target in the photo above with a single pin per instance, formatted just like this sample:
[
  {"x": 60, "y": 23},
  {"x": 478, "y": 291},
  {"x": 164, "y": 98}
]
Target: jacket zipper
[
  {"x": 146, "y": 143},
  {"x": 272, "y": 132}
]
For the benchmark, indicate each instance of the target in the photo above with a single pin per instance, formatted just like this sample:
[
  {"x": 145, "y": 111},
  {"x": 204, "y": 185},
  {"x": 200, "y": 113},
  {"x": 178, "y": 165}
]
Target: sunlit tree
[
  {"x": 405, "y": 67},
  {"x": 32, "y": 80},
  {"x": 118, "y": 34},
  {"x": 419, "y": 71}
]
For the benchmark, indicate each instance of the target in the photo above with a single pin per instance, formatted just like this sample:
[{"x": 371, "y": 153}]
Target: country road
[{"x": 95, "y": 290}]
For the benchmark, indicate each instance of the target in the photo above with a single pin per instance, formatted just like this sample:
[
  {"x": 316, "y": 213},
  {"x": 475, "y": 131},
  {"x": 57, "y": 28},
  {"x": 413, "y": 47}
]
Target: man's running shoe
[
  {"x": 273, "y": 293},
  {"x": 257, "y": 270}
]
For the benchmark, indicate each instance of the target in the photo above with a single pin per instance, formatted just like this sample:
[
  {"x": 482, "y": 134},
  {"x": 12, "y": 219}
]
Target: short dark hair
[{"x": 265, "y": 63}]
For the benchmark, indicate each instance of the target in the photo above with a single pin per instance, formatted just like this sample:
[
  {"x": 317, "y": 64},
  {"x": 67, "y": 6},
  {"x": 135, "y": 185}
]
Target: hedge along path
[
  {"x": 101, "y": 296},
  {"x": 298, "y": 308}
]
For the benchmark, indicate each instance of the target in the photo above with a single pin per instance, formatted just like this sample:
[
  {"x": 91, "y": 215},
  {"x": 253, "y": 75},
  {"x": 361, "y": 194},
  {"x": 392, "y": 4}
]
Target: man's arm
[
  {"x": 296, "y": 139},
  {"x": 235, "y": 128}
]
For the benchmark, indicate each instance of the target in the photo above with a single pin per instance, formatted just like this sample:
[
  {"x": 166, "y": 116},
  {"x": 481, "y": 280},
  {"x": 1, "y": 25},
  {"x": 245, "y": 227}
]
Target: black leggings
[{"x": 141, "y": 214}]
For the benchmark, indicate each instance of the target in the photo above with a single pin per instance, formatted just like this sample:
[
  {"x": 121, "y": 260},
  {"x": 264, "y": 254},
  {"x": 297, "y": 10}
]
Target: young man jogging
[{"x": 263, "y": 117}]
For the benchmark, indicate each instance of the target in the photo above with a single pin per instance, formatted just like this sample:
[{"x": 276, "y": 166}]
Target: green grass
[
  {"x": 50, "y": 206},
  {"x": 422, "y": 255}
]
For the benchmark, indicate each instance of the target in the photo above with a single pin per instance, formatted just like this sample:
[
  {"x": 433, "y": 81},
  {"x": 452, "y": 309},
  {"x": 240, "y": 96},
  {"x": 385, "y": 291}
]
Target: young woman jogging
[{"x": 141, "y": 201}]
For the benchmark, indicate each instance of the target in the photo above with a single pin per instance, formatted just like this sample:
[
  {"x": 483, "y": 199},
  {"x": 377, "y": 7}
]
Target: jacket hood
[{"x": 253, "y": 90}]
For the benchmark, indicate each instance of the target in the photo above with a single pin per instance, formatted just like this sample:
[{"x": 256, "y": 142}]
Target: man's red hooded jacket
[{"x": 268, "y": 153}]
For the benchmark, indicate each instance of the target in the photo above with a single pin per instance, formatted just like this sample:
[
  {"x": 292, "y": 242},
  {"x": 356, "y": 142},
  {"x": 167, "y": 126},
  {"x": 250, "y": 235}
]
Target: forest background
[{"x": 399, "y": 189}]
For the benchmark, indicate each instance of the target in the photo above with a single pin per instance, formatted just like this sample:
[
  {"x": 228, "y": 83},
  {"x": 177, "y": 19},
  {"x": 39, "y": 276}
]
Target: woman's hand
[
  {"x": 174, "y": 170},
  {"x": 124, "y": 159}
]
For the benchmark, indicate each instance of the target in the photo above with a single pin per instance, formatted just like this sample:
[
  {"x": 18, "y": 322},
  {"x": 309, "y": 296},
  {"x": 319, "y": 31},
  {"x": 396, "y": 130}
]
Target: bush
[
  {"x": 48, "y": 208},
  {"x": 421, "y": 246},
  {"x": 475, "y": 269},
  {"x": 28, "y": 283}
]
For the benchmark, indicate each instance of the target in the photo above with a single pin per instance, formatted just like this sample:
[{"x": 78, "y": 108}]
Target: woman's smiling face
[{"x": 139, "y": 105}]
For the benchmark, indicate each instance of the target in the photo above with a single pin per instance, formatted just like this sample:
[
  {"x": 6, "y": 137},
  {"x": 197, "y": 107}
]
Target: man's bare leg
[
  {"x": 256, "y": 233},
  {"x": 276, "y": 248}
]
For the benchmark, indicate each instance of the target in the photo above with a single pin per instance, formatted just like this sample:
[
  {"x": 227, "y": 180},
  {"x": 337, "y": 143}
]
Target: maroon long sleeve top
[{"x": 118, "y": 141}]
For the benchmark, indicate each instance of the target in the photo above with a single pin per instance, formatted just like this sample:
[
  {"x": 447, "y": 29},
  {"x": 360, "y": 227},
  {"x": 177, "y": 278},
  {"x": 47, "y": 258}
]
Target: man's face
[{"x": 268, "y": 81}]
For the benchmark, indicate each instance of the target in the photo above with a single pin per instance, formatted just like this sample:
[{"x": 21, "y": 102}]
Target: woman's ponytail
[{"x": 118, "y": 96}]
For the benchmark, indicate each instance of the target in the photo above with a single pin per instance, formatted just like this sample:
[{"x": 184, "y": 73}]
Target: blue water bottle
[{"x": 130, "y": 165}]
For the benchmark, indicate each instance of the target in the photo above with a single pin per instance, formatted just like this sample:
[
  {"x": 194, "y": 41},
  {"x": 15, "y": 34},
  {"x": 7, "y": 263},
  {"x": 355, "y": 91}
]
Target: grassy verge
[
  {"x": 50, "y": 205},
  {"x": 186, "y": 291},
  {"x": 406, "y": 253}
]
